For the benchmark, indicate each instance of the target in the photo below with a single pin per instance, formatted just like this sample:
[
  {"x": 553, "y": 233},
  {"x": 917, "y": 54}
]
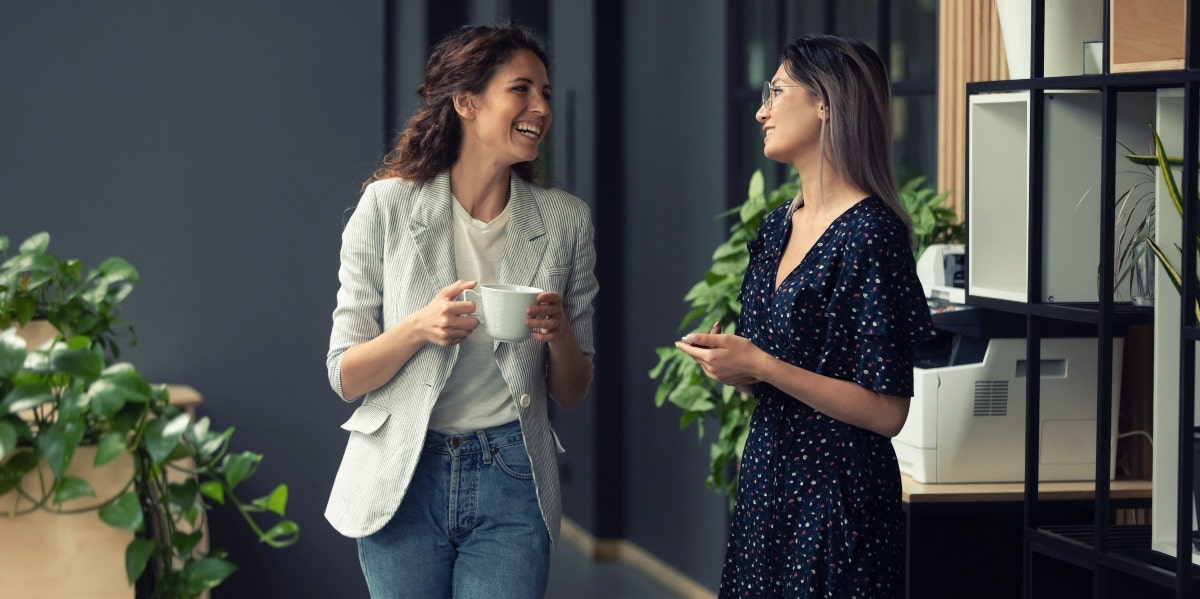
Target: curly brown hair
[{"x": 464, "y": 61}]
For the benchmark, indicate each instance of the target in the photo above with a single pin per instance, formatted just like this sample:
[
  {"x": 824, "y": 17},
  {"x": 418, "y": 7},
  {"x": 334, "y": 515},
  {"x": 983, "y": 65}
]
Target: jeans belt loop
[{"x": 483, "y": 446}]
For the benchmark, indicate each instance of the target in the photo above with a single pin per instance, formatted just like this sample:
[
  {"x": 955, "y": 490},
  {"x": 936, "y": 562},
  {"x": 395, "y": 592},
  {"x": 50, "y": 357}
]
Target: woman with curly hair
[{"x": 449, "y": 481}]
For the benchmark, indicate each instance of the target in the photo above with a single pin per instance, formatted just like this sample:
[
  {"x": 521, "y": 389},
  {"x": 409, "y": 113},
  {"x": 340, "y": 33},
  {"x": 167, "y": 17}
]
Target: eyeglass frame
[{"x": 768, "y": 93}]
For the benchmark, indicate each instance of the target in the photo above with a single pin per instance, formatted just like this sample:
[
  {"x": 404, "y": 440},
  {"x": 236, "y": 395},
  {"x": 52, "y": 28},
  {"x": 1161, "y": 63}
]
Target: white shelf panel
[
  {"x": 997, "y": 175},
  {"x": 998, "y": 198},
  {"x": 1163, "y": 523}
]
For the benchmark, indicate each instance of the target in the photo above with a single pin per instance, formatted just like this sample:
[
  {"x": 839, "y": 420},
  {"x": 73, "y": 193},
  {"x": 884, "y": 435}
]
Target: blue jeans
[{"x": 469, "y": 525}]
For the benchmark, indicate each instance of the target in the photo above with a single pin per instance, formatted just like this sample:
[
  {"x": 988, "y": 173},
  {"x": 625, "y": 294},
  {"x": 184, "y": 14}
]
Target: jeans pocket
[{"x": 513, "y": 460}]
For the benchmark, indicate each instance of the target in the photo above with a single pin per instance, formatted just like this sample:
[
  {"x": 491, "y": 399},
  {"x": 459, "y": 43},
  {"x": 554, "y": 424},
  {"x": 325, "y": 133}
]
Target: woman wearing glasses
[{"x": 831, "y": 309}]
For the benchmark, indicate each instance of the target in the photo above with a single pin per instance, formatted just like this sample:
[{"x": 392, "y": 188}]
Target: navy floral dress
[{"x": 818, "y": 511}]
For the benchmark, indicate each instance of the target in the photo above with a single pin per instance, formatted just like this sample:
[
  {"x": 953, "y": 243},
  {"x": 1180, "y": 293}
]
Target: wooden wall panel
[{"x": 969, "y": 49}]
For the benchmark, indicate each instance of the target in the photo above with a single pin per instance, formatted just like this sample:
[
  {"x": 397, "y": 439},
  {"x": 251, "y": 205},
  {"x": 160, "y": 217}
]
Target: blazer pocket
[
  {"x": 366, "y": 419},
  {"x": 554, "y": 279}
]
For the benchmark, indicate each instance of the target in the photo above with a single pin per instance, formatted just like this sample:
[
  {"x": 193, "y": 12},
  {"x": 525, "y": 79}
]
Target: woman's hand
[
  {"x": 446, "y": 320},
  {"x": 546, "y": 318},
  {"x": 729, "y": 359}
]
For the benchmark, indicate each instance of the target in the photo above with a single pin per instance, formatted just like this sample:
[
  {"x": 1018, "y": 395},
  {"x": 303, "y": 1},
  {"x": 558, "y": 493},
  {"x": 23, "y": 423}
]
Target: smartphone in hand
[{"x": 716, "y": 328}]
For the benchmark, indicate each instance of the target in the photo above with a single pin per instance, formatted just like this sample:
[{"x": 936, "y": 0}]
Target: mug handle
[{"x": 478, "y": 303}]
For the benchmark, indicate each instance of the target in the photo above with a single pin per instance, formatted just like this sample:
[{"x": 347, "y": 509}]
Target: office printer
[{"x": 967, "y": 418}]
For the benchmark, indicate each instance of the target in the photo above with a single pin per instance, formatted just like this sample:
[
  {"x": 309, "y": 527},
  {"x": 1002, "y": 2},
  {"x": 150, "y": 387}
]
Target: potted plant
[
  {"x": 1164, "y": 164},
  {"x": 715, "y": 299},
  {"x": 72, "y": 391}
]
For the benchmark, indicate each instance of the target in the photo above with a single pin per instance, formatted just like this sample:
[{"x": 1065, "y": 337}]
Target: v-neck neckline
[{"x": 785, "y": 238}]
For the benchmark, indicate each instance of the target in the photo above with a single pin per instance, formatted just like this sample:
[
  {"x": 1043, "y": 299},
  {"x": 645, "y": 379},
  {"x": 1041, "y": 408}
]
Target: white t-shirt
[{"x": 475, "y": 396}]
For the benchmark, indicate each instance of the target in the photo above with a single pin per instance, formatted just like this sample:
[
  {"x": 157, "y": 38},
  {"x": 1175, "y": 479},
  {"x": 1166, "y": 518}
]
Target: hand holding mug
[
  {"x": 504, "y": 310},
  {"x": 446, "y": 321},
  {"x": 547, "y": 318}
]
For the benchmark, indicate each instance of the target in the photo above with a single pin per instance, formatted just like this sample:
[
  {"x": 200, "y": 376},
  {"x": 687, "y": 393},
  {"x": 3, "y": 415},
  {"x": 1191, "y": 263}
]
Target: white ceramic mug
[{"x": 501, "y": 309}]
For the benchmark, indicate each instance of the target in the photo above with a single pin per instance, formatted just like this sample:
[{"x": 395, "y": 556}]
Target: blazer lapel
[
  {"x": 525, "y": 243},
  {"x": 431, "y": 231}
]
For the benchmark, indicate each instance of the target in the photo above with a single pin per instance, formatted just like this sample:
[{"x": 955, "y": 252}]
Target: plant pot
[
  {"x": 48, "y": 555},
  {"x": 36, "y": 332}
]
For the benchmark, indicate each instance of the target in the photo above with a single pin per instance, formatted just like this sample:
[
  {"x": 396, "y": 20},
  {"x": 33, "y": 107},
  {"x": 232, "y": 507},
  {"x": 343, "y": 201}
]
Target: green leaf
[
  {"x": 207, "y": 573},
  {"x": 117, "y": 384},
  {"x": 124, "y": 513},
  {"x": 12, "y": 352},
  {"x": 57, "y": 443},
  {"x": 275, "y": 502},
  {"x": 159, "y": 442},
  {"x": 282, "y": 534},
  {"x": 14, "y": 470},
  {"x": 185, "y": 494},
  {"x": 36, "y": 243},
  {"x": 8, "y": 438},
  {"x": 70, "y": 488},
  {"x": 105, "y": 398},
  {"x": 185, "y": 543},
  {"x": 26, "y": 396},
  {"x": 177, "y": 425},
  {"x": 137, "y": 555},
  {"x": 111, "y": 445},
  {"x": 214, "y": 490},
  {"x": 83, "y": 363},
  {"x": 240, "y": 467},
  {"x": 214, "y": 443}
]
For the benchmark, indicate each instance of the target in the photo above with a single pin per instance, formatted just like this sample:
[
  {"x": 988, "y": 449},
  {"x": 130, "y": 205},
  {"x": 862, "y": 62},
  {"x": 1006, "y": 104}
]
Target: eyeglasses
[{"x": 769, "y": 92}]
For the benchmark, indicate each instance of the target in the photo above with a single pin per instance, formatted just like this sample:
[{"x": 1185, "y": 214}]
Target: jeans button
[{"x": 524, "y": 401}]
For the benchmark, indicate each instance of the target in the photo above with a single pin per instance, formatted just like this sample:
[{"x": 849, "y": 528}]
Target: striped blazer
[{"x": 397, "y": 253}]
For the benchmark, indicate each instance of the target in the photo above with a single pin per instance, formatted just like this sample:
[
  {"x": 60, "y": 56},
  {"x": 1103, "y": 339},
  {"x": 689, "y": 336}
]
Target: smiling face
[
  {"x": 792, "y": 126},
  {"x": 508, "y": 122}
]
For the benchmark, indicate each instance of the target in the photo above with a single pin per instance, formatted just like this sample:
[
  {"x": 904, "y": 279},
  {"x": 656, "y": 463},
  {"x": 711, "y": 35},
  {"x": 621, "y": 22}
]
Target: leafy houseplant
[
  {"x": 1164, "y": 164},
  {"x": 715, "y": 299},
  {"x": 933, "y": 222},
  {"x": 72, "y": 391}
]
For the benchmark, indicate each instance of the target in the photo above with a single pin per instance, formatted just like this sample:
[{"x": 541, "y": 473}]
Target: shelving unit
[{"x": 1045, "y": 166}]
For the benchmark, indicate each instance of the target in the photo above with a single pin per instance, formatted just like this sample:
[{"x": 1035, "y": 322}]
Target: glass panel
[
  {"x": 914, "y": 40},
  {"x": 915, "y": 137},
  {"x": 856, "y": 18},
  {"x": 752, "y": 146},
  {"x": 761, "y": 47},
  {"x": 802, "y": 17}
]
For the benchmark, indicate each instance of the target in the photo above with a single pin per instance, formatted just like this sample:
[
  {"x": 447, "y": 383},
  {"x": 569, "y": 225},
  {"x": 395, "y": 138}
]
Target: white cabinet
[{"x": 998, "y": 188}]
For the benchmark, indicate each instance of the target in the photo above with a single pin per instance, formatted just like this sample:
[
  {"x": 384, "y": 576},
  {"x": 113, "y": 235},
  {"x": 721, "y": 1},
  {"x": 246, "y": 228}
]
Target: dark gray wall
[
  {"x": 216, "y": 145},
  {"x": 571, "y": 158},
  {"x": 674, "y": 165}
]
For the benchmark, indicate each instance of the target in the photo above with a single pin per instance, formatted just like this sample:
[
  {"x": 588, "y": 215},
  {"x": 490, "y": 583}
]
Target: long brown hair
[
  {"x": 852, "y": 81},
  {"x": 463, "y": 62}
]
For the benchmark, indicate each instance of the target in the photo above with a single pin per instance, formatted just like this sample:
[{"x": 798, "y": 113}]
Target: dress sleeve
[{"x": 879, "y": 311}]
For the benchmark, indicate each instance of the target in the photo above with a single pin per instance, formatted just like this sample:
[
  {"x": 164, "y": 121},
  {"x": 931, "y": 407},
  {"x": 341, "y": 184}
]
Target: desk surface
[{"x": 915, "y": 492}]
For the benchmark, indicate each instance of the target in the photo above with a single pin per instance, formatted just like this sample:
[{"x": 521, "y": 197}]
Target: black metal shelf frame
[{"x": 1105, "y": 548}]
